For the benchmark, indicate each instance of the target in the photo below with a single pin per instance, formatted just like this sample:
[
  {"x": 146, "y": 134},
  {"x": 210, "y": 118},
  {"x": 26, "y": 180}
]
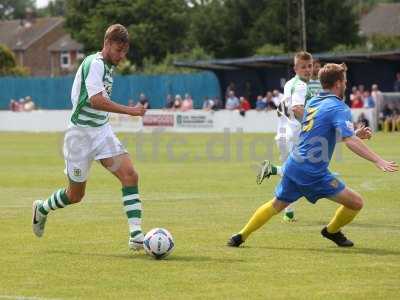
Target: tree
[
  {"x": 236, "y": 28},
  {"x": 156, "y": 27},
  {"x": 8, "y": 65},
  {"x": 54, "y": 8},
  {"x": 15, "y": 9}
]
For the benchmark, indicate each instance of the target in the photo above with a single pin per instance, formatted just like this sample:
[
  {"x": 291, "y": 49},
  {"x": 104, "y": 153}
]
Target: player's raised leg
[
  {"x": 59, "y": 199},
  {"x": 351, "y": 204},
  {"x": 261, "y": 216},
  {"x": 121, "y": 166}
]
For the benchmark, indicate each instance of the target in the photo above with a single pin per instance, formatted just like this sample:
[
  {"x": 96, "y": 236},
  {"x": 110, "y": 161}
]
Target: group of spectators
[
  {"x": 23, "y": 104},
  {"x": 268, "y": 102},
  {"x": 389, "y": 117},
  {"x": 179, "y": 103},
  {"x": 363, "y": 98}
]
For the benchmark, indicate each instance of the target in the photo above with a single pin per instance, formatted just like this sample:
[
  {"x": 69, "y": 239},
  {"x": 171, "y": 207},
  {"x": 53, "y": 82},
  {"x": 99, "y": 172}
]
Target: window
[{"x": 65, "y": 59}]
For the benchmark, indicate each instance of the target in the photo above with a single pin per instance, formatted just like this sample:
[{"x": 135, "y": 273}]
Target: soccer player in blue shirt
[{"x": 327, "y": 119}]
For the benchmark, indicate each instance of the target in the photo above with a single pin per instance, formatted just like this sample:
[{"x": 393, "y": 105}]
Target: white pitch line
[{"x": 25, "y": 298}]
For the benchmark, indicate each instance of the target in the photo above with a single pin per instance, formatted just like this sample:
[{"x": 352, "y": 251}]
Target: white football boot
[
  {"x": 136, "y": 243},
  {"x": 38, "y": 219}
]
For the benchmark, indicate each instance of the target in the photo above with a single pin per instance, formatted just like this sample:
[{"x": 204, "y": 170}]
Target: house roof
[
  {"x": 284, "y": 60},
  {"x": 20, "y": 34},
  {"x": 383, "y": 19},
  {"x": 65, "y": 43}
]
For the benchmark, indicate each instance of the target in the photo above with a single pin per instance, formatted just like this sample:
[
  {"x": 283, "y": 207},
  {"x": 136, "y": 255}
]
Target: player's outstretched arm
[
  {"x": 100, "y": 102},
  {"x": 356, "y": 145}
]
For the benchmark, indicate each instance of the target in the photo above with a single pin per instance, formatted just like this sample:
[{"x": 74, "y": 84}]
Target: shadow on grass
[
  {"x": 142, "y": 256},
  {"x": 357, "y": 225},
  {"x": 354, "y": 250}
]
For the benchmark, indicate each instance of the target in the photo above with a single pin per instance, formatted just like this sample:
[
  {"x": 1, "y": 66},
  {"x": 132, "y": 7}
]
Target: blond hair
[
  {"x": 302, "y": 55},
  {"x": 331, "y": 73},
  {"x": 117, "y": 33}
]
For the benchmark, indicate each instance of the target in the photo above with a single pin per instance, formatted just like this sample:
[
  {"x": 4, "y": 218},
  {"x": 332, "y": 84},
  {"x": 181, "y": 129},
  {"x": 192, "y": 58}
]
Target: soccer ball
[{"x": 158, "y": 243}]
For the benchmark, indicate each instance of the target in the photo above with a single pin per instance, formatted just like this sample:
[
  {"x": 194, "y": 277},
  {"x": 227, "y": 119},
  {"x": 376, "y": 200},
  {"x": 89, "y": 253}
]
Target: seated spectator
[
  {"x": 261, "y": 103},
  {"x": 362, "y": 121},
  {"x": 13, "y": 105},
  {"x": 277, "y": 97},
  {"x": 187, "y": 103},
  {"x": 208, "y": 104},
  {"x": 144, "y": 101},
  {"x": 232, "y": 102},
  {"x": 177, "y": 102},
  {"x": 368, "y": 100},
  {"x": 244, "y": 105},
  {"x": 169, "y": 103},
  {"x": 357, "y": 102},
  {"x": 353, "y": 93},
  {"x": 385, "y": 117},
  {"x": 396, "y": 117},
  {"x": 396, "y": 85}
]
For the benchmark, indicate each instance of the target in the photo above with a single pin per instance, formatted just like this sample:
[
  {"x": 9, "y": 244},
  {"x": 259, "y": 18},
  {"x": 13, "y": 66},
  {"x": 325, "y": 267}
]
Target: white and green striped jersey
[
  {"x": 314, "y": 87},
  {"x": 93, "y": 76},
  {"x": 295, "y": 93}
]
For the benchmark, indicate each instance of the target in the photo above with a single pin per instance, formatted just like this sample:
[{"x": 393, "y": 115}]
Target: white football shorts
[{"x": 83, "y": 145}]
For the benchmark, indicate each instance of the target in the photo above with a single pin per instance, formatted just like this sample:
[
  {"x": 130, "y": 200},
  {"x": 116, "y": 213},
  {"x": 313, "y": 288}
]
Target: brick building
[{"x": 41, "y": 45}]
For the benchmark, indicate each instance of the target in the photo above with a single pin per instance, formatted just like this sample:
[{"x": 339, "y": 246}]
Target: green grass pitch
[{"x": 202, "y": 201}]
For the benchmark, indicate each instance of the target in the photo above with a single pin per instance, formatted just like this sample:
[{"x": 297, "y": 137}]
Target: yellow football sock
[
  {"x": 342, "y": 217},
  {"x": 259, "y": 218}
]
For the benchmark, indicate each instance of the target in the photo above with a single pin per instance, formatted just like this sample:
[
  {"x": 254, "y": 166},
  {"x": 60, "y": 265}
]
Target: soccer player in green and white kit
[
  {"x": 90, "y": 137},
  {"x": 290, "y": 112},
  {"x": 314, "y": 86}
]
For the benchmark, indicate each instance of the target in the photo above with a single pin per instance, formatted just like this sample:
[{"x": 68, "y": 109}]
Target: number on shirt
[{"x": 309, "y": 122}]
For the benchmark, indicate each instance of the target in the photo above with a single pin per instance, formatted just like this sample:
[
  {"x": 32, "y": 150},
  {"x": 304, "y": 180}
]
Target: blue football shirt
[{"x": 327, "y": 120}]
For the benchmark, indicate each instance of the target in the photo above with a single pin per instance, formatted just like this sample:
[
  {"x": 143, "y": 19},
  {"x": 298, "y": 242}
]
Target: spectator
[
  {"x": 208, "y": 104},
  {"x": 244, "y": 105},
  {"x": 13, "y": 106},
  {"x": 368, "y": 100},
  {"x": 385, "y": 117},
  {"x": 232, "y": 102},
  {"x": 261, "y": 103},
  {"x": 277, "y": 97},
  {"x": 144, "y": 101},
  {"x": 177, "y": 102},
  {"x": 357, "y": 102},
  {"x": 187, "y": 103},
  {"x": 396, "y": 85},
  {"x": 396, "y": 117},
  {"x": 353, "y": 93},
  {"x": 169, "y": 103},
  {"x": 361, "y": 88},
  {"x": 362, "y": 121},
  {"x": 131, "y": 103}
]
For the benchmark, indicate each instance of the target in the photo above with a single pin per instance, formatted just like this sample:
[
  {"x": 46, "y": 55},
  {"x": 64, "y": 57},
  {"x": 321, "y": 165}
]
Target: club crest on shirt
[
  {"x": 334, "y": 183},
  {"x": 350, "y": 125}
]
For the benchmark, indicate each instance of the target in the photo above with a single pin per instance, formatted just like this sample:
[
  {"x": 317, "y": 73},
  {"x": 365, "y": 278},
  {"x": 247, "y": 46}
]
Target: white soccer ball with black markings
[{"x": 158, "y": 243}]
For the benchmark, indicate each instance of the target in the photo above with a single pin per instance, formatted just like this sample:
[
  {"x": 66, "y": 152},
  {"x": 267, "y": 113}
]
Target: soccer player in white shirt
[
  {"x": 90, "y": 137},
  {"x": 290, "y": 113}
]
